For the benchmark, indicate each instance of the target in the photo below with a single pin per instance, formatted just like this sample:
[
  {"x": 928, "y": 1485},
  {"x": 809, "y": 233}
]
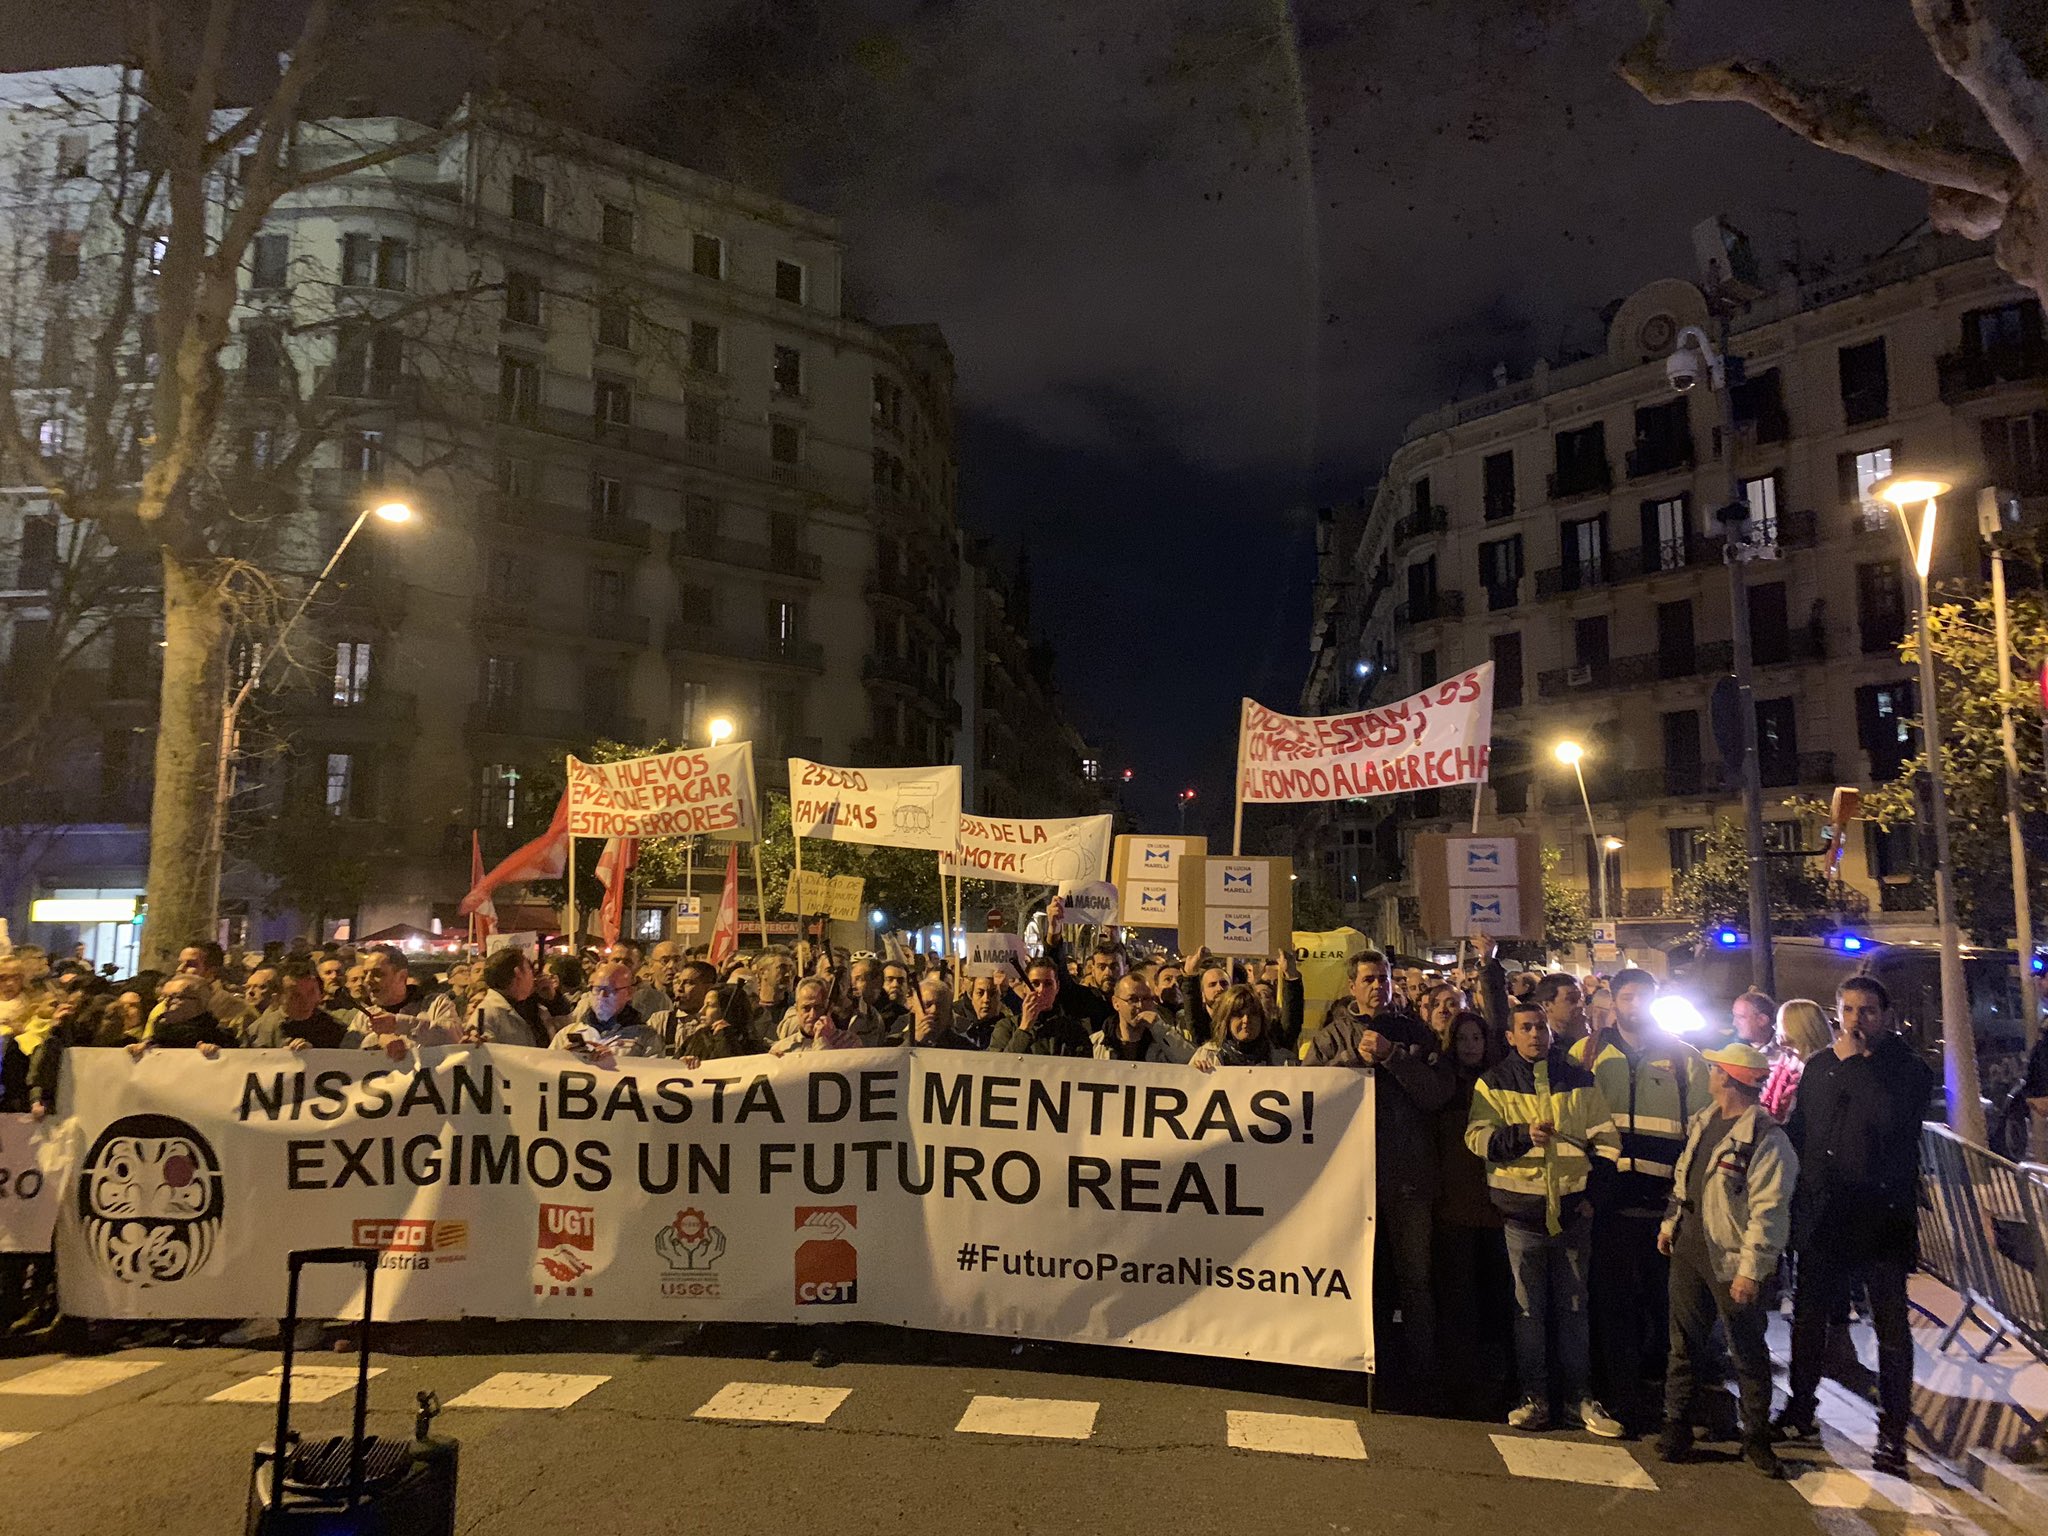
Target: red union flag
[{"x": 1440, "y": 736}]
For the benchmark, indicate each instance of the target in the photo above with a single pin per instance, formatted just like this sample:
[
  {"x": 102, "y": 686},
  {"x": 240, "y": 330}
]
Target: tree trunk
[{"x": 181, "y": 858}]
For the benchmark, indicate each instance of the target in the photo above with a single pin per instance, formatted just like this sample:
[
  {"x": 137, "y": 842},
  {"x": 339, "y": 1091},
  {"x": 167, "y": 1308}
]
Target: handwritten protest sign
[
  {"x": 707, "y": 791},
  {"x": 1440, "y": 736},
  {"x": 1053, "y": 852},
  {"x": 890, "y": 807}
]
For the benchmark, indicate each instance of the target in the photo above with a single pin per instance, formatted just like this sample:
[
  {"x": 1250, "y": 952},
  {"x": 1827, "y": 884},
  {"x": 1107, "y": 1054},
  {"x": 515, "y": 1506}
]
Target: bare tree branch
[{"x": 1974, "y": 52}]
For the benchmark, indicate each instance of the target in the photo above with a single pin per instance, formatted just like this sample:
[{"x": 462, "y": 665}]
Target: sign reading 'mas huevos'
[
  {"x": 1073, "y": 849},
  {"x": 1442, "y": 735},
  {"x": 706, "y": 791},
  {"x": 892, "y": 807}
]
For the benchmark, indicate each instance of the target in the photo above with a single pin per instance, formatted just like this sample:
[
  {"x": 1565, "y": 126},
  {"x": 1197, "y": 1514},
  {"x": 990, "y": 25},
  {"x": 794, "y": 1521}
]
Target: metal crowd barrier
[{"x": 1984, "y": 1234}]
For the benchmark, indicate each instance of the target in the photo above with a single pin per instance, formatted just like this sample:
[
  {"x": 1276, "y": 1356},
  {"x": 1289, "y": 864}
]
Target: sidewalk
[{"x": 1965, "y": 1426}]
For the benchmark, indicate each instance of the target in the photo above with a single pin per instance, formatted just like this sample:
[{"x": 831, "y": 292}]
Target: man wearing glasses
[{"x": 614, "y": 1027}]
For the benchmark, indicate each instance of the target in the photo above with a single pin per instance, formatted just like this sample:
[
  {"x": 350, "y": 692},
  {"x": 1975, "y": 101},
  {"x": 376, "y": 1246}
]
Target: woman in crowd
[
  {"x": 1441, "y": 1005},
  {"x": 1475, "y": 1292},
  {"x": 1803, "y": 1033},
  {"x": 1241, "y": 1034}
]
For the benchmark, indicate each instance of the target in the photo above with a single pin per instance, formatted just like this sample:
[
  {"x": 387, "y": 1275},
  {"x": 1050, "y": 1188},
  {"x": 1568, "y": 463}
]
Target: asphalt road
[{"x": 591, "y": 1428}]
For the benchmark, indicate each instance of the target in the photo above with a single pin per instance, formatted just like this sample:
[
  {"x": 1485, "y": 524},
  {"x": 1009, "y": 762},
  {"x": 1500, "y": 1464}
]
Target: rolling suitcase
[{"x": 359, "y": 1483}]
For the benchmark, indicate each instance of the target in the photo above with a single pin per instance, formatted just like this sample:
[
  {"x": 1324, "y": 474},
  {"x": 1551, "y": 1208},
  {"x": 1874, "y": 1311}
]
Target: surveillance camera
[{"x": 1683, "y": 369}]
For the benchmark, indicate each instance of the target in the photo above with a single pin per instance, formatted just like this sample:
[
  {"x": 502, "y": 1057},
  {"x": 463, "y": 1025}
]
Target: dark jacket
[
  {"x": 200, "y": 1029},
  {"x": 951, "y": 1038},
  {"x": 1055, "y": 1034},
  {"x": 1856, "y": 1128},
  {"x": 1461, "y": 1197},
  {"x": 966, "y": 1022},
  {"x": 14, "y": 1063},
  {"x": 321, "y": 1030},
  {"x": 1082, "y": 1001},
  {"x": 708, "y": 1043},
  {"x": 1413, "y": 1085}
]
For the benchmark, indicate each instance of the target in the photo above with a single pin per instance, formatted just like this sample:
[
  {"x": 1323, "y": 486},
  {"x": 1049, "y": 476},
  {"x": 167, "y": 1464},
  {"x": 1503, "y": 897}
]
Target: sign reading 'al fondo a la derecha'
[{"x": 1101, "y": 1202}]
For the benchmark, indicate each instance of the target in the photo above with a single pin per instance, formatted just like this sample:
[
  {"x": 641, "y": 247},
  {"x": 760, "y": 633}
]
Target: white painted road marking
[
  {"x": 75, "y": 1378},
  {"x": 10, "y": 1438},
  {"x": 1570, "y": 1461},
  {"x": 310, "y": 1384},
  {"x": 1294, "y": 1434},
  {"x": 528, "y": 1389},
  {"x": 763, "y": 1402},
  {"x": 1041, "y": 1418}
]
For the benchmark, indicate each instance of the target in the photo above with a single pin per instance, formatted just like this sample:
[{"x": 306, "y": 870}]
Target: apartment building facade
[
  {"x": 659, "y": 475},
  {"x": 1564, "y": 527}
]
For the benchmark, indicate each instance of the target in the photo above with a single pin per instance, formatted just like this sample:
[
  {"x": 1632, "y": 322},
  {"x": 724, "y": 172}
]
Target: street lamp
[
  {"x": 1959, "y": 1043},
  {"x": 1990, "y": 524},
  {"x": 721, "y": 730},
  {"x": 1570, "y": 753},
  {"x": 1186, "y": 795},
  {"x": 1692, "y": 358},
  {"x": 393, "y": 511}
]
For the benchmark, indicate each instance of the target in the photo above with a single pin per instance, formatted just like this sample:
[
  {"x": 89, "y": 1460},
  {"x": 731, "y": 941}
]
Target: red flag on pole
[
  {"x": 725, "y": 938},
  {"x": 542, "y": 859},
  {"x": 614, "y": 864}
]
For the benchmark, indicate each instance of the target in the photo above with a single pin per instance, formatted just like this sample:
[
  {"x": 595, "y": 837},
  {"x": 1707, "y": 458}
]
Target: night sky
[{"x": 1200, "y": 261}]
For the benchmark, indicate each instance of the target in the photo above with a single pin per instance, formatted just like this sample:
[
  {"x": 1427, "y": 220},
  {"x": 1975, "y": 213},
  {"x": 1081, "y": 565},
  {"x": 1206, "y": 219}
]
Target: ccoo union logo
[
  {"x": 407, "y": 1242},
  {"x": 689, "y": 1248},
  {"x": 565, "y": 1250},
  {"x": 827, "y": 1263}
]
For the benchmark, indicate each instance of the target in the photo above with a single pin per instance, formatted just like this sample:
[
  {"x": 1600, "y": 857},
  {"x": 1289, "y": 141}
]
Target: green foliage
[
  {"x": 1315, "y": 909},
  {"x": 1973, "y": 758},
  {"x": 1714, "y": 893},
  {"x": 314, "y": 868},
  {"x": 1566, "y": 917}
]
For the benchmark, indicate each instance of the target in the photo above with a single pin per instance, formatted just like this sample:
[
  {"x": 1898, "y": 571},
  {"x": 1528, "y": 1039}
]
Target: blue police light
[
  {"x": 1852, "y": 945},
  {"x": 1728, "y": 938},
  {"x": 2040, "y": 965}
]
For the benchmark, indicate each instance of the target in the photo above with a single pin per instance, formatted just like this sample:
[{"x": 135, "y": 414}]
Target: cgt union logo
[
  {"x": 565, "y": 1250},
  {"x": 827, "y": 1263},
  {"x": 689, "y": 1249}
]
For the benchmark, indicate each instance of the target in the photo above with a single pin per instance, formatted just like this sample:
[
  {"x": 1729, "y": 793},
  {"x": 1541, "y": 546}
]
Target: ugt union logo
[
  {"x": 565, "y": 1250},
  {"x": 827, "y": 1263}
]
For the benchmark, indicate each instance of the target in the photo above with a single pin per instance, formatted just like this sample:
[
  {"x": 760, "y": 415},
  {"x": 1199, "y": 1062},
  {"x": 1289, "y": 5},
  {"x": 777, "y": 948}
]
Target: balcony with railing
[
  {"x": 611, "y": 625},
  {"x": 526, "y": 512},
  {"x": 1650, "y": 457},
  {"x": 1968, "y": 374},
  {"x": 376, "y": 709},
  {"x": 1620, "y": 565},
  {"x": 519, "y": 718},
  {"x": 1431, "y": 608},
  {"x": 1420, "y": 523},
  {"x": 880, "y": 752},
  {"x": 686, "y": 549},
  {"x": 1621, "y": 673},
  {"x": 1592, "y": 478},
  {"x": 691, "y": 637}
]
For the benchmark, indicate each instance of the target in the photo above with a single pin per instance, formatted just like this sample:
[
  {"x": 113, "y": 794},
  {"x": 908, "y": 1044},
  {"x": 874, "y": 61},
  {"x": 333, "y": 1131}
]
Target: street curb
[{"x": 2022, "y": 1492}]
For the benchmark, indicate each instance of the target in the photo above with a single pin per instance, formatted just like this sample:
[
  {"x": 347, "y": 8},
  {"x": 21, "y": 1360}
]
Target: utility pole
[{"x": 1991, "y": 526}]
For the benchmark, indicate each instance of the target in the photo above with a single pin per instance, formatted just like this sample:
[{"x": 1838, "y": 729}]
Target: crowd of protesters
[{"x": 1580, "y": 1218}]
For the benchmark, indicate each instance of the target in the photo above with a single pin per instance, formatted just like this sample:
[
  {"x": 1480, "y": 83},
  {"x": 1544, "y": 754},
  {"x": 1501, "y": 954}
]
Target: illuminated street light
[
  {"x": 1568, "y": 753},
  {"x": 393, "y": 512},
  {"x": 1571, "y": 754},
  {"x": 721, "y": 730}
]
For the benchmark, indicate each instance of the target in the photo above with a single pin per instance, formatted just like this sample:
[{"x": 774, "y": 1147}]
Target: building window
[
  {"x": 516, "y": 481},
  {"x": 700, "y": 420},
  {"x": 1498, "y": 472},
  {"x": 782, "y": 719},
  {"x": 785, "y": 624},
  {"x": 707, "y": 256},
  {"x": 1682, "y": 762},
  {"x": 1886, "y": 716},
  {"x": 617, "y": 227},
  {"x": 1582, "y": 553},
  {"x": 2016, "y": 452},
  {"x": 351, "y": 672},
  {"x": 518, "y": 389},
  {"x": 1091, "y": 770},
  {"x": 1880, "y": 606},
  {"x": 1667, "y": 533},
  {"x": 789, "y": 281},
  {"x": 522, "y": 298},
  {"x": 689, "y": 702},
  {"x": 705, "y": 349},
  {"x": 1777, "y": 742},
  {"x": 607, "y": 500},
  {"x": 497, "y": 801},
  {"x": 503, "y": 577},
  {"x": 1420, "y": 502},
  {"x": 1688, "y": 845},
  {"x": 700, "y": 520},
  {"x": 368, "y": 364},
  {"x": 368, "y": 261},
  {"x": 1856, "y": 473},
  {"x": 785, "y": 442},
  {"x": 1663, "y": 438},
  {"x": 614, "y": 324},
  {"x": 362, "y": 452},
  {"x": 1507, "y": 670},
  {"x": 1500, "y": 571},
  {"x": 263, "y": 360},
  {"x": 269, "y": 262},
  {"x": 61, "y": 263},
  {"x": 605, "y": 590},
  {"x": 53, "y": 436},
  {"x": 1582, "y": 465},
  {"x": 789, "y": 372},
  {"x": 36, "y": 561},
  {"x": 72, "y": 149},
  {"x": 501, "y": 675},
  {"x": 1770, "y": 624},
  {"x": 611, "y": 407},
  {"x": 1866, "y": 382},
  {"x": 1762, "y": 496},
  {"x": 529, "y": 200},
  {"x": 341, "y": 768}
]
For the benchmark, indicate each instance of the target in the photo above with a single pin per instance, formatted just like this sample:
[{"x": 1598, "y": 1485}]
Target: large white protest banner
[
  {"x": 892, "y": 807},
  {"x": 35, "y": 1157},
  {"x": 1440, "y": 736},
  {"x": 707, "y": 791},
  {"x": 1077, "y": 1200},
  {"x": 1072, "y": 849}
]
